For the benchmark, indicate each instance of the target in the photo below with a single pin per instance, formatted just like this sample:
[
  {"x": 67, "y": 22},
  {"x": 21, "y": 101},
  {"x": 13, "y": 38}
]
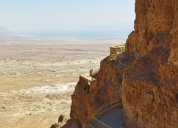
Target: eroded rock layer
[
  {"x": 143, "y": 79},
  {"x": 150, "y": 85},
  {"x": 102, "y": 93},
  {"x": 156, "y": 25}
]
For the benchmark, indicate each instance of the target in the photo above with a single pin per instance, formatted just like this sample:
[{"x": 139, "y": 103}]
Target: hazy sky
[{"x": 67, "y": 16}]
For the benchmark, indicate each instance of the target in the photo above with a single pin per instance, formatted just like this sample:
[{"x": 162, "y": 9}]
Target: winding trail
[{"x": 110, "y": 119}]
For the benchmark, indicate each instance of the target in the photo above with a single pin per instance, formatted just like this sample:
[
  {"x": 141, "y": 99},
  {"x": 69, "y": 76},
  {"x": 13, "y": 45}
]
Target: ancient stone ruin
[
  {"x": 115, "y": 50},
  {"x": 143, "y": 79}
]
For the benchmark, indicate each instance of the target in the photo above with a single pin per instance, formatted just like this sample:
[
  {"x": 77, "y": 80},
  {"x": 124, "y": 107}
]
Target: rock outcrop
[
  {"x": 143, "y": 79},
  {"x": 90, "y": 99},
  {"x": 150, "y": 84}
]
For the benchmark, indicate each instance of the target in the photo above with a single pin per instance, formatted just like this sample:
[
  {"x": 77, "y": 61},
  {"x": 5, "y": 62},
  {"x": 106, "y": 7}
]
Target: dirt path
[{"x": 113, "y": 118}]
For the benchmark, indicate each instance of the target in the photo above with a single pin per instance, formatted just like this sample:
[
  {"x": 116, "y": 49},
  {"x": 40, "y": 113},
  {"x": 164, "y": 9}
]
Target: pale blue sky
[{"x": 68, "y": 16}]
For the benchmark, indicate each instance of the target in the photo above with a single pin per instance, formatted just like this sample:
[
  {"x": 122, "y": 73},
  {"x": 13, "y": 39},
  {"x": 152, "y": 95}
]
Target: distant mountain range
[{"x": 7, "y": 34}]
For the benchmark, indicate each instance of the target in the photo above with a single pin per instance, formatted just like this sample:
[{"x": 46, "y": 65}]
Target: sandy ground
[{"x": 38, "y": 76}]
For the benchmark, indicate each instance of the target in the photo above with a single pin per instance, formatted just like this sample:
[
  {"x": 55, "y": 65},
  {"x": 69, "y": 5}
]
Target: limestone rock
[
  {"x": 143, "y": 79},
  {"x": 103, "y": 92},
  {"x": 150, "y": 84}
]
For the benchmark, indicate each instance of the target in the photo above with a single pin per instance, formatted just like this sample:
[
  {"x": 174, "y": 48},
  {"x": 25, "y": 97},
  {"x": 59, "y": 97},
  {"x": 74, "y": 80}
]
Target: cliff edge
[{"x": 143, "y": 79}]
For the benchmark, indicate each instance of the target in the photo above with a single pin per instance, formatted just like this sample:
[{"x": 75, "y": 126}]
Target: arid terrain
[{"x": 38, "y": 76}]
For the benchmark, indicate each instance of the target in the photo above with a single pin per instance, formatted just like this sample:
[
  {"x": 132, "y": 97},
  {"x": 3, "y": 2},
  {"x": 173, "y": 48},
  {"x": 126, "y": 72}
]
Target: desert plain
[{"x": 38, "y": 76}]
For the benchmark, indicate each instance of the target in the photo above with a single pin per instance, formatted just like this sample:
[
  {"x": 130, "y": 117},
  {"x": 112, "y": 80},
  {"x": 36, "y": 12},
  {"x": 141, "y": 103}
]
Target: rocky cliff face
[
  {"x": 102, "y": 92},
  {"x": 143, "y": 79},
  {"x": 150, "y": 84},
  {"x": 156, "y": 25}
]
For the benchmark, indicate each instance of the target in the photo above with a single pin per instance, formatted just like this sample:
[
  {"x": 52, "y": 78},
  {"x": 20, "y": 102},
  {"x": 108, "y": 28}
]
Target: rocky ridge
[{"x": 143, "y": 79}]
